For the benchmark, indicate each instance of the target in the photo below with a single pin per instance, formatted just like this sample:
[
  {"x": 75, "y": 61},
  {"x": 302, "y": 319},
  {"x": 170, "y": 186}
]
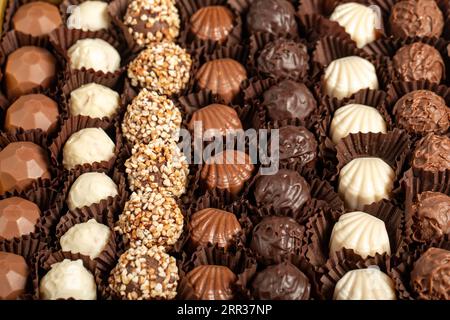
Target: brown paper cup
[{"x": 314, "y": 26}]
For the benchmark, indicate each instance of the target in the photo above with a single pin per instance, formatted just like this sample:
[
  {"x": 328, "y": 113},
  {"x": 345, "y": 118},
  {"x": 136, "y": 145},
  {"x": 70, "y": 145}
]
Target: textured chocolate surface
[
  {"x": 296, "y": 144},
  {"x": 281, "y": 282},
  {"x": 430, "y": 278},
  {"x": 276, "y": 238},
  {"x": 33, "y": 111},
  {"x": 21, "y": 163},
  {"x": 289, "y": 100},
  {"x": 432, "y": 153},
  {"x": 36, "y": 18},
  {"x": 18, "y": 217},
  {"x": 212, "y": 23},
  {"x": 419, "y": 61},
  {"x": 431, "y": 216},
  {"x": 285, "y": 191},
  {"x": 272, "y": 16},
  {"x": 416, "y": 18},
  {"x": 421, "y": 112},
  {"x": 13, "y": 276},
  {"x": 283, "y": 59}
]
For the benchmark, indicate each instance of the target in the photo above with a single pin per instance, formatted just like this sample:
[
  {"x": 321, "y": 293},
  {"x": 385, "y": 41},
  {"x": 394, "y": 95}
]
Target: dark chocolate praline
[{"x": 272, "y": 16}]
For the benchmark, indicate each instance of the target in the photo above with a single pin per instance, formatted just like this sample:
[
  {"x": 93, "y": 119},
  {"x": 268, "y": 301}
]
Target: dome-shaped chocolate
[
  {"x": 212, "y": 23},
  {"x": 272, "y": 16}
]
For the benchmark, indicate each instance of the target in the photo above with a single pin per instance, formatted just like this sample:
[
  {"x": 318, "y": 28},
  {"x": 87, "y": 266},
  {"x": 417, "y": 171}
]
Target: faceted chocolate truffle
[
  {"x": 150, "y": 21},
  {"x": 276, "y": 238},
  {"x": 145, "y": 274},
  {"x": 208, "y": 282},
  {"x": 227, "y": 170},
  {"x": 36, "y": 18},
  {"x": 32, "y": 111},
  {"x": 213, "y": 226},
  {"x": 28, "y": 68},
  {"x": 416, "y": 18},
  {"x": 272, "y": 16},
  {"x": 212, "y": 23},
  {"x": 21, "y": 163},
  {"x": 94, "y": 100},
  {"x": 432, "y": 153},
  {"x": 90, "y": 16},
  {"x": 283, "y": 59},
  {"x": 421, "y": 112},
  {"x": 222, "y": 77},
  {"x": 96, "y": 54},
  {"x": 13, "y": 275},
  {"x": 296, "y": 144},
  {"x": 281, "y": 282},
  {"x": 18, "y": 217},
  {"x": 365, "y": 284},
  {"x": 289, "y": 100},
  {"x": 430, "y": 278},
  {"x": 419, "y": 61},
  {"x": 68, "y": 279},
  {"x": 431, "y": 216},
  {"x": 354, "y": 118},
  {"x": 285, "y": 191}
]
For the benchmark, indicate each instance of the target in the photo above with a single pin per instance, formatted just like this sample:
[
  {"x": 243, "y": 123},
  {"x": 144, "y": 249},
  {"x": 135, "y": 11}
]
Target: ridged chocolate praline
[{"x": 212, "y": 23}]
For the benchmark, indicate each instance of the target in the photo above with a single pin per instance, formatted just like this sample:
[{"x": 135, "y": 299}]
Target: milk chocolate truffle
[
  {"x": 276, "y": 238},
  {"x": 213, "y": 226},
  {"x": 284, "y": 59},
  {"x": 432, "y": 153},
  {"x": 295, "y": 144},
  {"x": 94, "y": 100},
  {"x": 363, "y": 181},
  {"x": 88, "y": 238},
  {"x": 208, "y": 282},
  {"x": 18, "y": 217},
  {"x": 222, "y": 77},
  {"x": 227, "y": 170},
  {"x": 272, "y": 16},
  {"x": 285, "y": 191},
  {"x": 359, "y": 21},
  {"x": 421, "y": 112},
  {"x": 365, "y": 284},
  {"x": 430, "y": 277},
  {"x": 418, "y": 61},
  {"x": 212, "y": 23},
  {"x": 281, "y": 282},
  {"x": 346, "y": 76},
  {"x": 13, "y": 276},
  {"x": 22, "y": 163},
  {"x": 32, "y": 111},
  {"x": 416, "y": 18},
  {"x": 96, "y": 54},
  {"x": 289, "y": 100},
  {"x": 431, "y": 216},
  {"x": 90, "y": 16},
  {"x": 36, "y": 18},
  {"x": 68, "y": 279},
  {"x": 162, "y": 67},
  {"x": 29, "y": 68},
  {"x": 362, "y": 232},
  {"x": 87, "y": 146},
  {"x": 354, "y": 118},
  {"x": 150, "y": 21},
  {"x": 145, "y": 274}
]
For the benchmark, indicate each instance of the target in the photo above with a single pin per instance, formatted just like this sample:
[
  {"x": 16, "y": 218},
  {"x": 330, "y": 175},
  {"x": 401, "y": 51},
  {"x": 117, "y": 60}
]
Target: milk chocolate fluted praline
[
  {"x": 212, "y": 23},
  {"x": 215, "y": 118}
]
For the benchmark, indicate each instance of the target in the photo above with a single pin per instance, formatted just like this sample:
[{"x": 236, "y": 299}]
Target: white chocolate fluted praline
[
  {"x": 354, "y": 118},
  {"x": 346, "y": 76},
  {"x": 363, "y": 181},
  {"x": 365, "y": 284},
  {"x": 363, "y": 233}
]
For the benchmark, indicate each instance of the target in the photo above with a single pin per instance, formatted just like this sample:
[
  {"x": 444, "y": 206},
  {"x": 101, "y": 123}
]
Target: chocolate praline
[
  {"x": 212, "y": 23},
  {"x": 432, "y": 153},
  {"x": 36, "y": 18},
  {"x": 289, "y": 100},
  {"x": 283, "y": 59},
  {"x": 272, "y": 16},
  {"x": 18, "y": 217},
  {"x": 13, "y": 275}
]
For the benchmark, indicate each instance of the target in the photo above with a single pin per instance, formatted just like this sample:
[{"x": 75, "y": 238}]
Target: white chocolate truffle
[
  {"x": 346, "y": 76},
  {"x": 94, "y": 100},
  {"x": 362, "y": 232},
  {"x": 89, "y": 238},
  {"x": 363, "y": 181},
  {"x": 354, "y": 118},
  {"x": 68, "y": 279},
  {"x": 90, "y": 188},
  {"x": 94, "y": 54},
  {"x": 365, "y": 284},
  {"x": 89, "y": 16},
  {"x": 86, "y": 147},
  {"x": 359, "y": 21}
]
